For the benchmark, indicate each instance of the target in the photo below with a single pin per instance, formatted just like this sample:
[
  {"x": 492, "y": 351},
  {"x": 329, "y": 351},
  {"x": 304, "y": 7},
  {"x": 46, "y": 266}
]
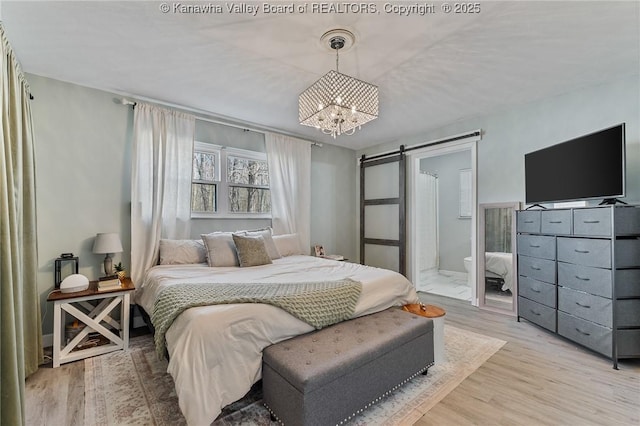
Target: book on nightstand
[{"x": 108, "y": 283}]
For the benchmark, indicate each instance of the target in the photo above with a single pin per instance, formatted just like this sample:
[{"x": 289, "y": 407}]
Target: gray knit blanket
[{"x": 317, "y": 303}]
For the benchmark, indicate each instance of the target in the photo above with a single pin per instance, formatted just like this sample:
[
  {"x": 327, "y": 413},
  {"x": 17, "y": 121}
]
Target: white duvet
[
  {"x": 215, "y": 352},
  {"x": 501, "y": 264}
]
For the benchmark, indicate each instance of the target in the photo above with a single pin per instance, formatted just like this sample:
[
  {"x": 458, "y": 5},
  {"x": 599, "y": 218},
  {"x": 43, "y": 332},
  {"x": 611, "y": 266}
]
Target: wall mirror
[{"x": 497, "y": 263}]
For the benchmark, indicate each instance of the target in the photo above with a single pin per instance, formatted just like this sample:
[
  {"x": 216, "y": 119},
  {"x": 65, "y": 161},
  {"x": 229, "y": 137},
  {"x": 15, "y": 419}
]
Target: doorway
[{"x": 443, "y": 220}]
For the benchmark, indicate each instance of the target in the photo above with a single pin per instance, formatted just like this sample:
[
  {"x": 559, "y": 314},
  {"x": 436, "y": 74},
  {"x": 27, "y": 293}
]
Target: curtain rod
[
  {"x": 204, "y": 116},
  {"x": 402, "y": 148}
]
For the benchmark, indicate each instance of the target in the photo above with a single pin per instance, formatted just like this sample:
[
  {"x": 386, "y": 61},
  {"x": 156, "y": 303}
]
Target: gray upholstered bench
[{"x": 327, "y": 376}]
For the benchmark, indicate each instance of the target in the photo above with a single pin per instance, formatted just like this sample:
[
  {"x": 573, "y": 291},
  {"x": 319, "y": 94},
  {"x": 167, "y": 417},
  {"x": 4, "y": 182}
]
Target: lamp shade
[{"x": 108, "y": 242}]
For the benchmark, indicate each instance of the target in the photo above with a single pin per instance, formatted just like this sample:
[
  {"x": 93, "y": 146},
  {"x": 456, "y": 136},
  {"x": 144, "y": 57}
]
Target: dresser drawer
[
  {"x": 628, "y": 313},
  {"x": 628, "y": 253},
  {"x": 586, "y": 306},
  {"x": 596, "y": 281},
  {"x": 557, "y": 222},
  {"x": 537, "y": 291},
  {"x": 538, "y": 269},
  {"x": 584, "y": 251},
  {"x": 628, "y": 283},
  {"x": 594, "y": 222},
  {"x": 539, "y": 314},
  {"x": 586, "y": 333},
  {"x": 628, "y": 343},
  {"x": 528, "y": 221},
  {"x": 541, "y": 246},
  {"x": 627, "y": 220}
]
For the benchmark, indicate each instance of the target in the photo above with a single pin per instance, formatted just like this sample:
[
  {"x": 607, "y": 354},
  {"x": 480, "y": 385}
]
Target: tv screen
[{"x": 587, "y": 167}]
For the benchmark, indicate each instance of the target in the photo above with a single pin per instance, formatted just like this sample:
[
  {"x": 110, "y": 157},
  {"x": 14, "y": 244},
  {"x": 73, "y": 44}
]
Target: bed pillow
[
  {"x": 287, "y": 244},
  {"x": 182, "y": 252},
  {"x": 266, "y": 234},
  {"x": 251, "y": 250},
  {"x": 221, "y": 250}
]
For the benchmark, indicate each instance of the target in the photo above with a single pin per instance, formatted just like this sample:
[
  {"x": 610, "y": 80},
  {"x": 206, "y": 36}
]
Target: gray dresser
[{"x": 579, "y": 275}]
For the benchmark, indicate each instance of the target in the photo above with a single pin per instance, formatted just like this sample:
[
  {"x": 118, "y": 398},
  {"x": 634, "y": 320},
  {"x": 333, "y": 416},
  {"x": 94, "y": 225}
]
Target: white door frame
[{"x": 413, "y": 169}]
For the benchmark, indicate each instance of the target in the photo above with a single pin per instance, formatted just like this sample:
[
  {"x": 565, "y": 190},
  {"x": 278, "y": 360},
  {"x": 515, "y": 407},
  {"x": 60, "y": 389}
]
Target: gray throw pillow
[
  {"x": 251, "y": 250},
  {"x": 268, "y": 241}
]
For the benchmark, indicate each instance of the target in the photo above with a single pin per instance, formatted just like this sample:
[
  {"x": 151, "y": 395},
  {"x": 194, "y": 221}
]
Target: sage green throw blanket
[{"x": 317, "y": 303}]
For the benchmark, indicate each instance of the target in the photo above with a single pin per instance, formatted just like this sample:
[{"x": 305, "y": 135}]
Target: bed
[
  {"x": 498, "y": 265},
  {"x": 215, "y": 352}
]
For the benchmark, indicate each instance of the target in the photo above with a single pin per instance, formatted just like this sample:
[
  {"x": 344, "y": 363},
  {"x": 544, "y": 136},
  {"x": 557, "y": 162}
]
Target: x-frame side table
[{"x": 94, "y": 317}]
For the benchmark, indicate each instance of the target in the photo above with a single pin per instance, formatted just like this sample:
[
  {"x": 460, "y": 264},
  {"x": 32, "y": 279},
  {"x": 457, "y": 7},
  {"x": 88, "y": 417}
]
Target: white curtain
[
  {"x": 427, "y": 210},
  {"x": 290, "y": 180},
  {"x": 160, "y": 182}
]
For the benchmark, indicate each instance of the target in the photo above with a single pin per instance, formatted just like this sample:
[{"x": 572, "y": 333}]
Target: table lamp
[{"x": 107, "y": 243}]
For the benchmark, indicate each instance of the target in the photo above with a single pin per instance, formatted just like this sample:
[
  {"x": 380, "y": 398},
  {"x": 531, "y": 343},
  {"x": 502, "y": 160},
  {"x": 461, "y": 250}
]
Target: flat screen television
[{"x": 588, "y": 167}]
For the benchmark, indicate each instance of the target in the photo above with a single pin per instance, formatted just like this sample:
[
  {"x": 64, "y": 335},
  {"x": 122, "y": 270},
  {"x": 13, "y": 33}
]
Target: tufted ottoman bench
[{"x": 327, "y": 376}]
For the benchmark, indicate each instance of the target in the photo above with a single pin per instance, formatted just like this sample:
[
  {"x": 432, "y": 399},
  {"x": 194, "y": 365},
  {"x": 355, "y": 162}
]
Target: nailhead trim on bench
[{"x": 378, "y": 399}]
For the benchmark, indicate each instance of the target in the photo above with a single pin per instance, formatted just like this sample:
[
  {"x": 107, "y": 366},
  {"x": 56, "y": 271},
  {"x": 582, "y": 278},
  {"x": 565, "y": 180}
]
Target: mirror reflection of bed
[{"x": 497, "y": 277}]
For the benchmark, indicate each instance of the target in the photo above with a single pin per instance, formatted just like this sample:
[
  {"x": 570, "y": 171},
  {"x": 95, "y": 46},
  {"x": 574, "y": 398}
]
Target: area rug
[{"x": 133, "y": 388}]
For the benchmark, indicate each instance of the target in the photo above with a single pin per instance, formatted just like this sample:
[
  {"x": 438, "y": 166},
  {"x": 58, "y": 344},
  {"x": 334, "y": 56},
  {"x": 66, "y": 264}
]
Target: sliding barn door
[{"x": 382, "y": 211}]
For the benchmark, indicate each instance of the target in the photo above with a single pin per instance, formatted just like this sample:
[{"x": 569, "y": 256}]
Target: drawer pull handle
[
  {"x": 535, "y": 268},
  {"x": 581, "y": 251},
  {"x": 582, "y": 332},
  {"x": 583, "y": 306},
  {"x": 555, "y": 221},
  {"x": 534, "y": 246},
  {"x": 583, "y": 278},
  {"x": 535, "y": 290},
  {"x": 591, "y": 221},
  {"x": 534, "y": 312},
  {"x": 528, "y": 221}
]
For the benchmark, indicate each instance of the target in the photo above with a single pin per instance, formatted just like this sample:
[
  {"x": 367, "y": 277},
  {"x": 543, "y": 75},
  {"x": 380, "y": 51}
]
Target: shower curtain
[{"x": 427, "y": 224}]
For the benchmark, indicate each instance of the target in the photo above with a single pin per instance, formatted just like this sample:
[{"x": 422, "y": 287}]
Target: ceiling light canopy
[{"x": 337, "y": 104}]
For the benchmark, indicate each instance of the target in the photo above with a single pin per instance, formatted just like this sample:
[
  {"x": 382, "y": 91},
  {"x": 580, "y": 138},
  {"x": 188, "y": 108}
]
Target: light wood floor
[{"x": 535, "y": 379}]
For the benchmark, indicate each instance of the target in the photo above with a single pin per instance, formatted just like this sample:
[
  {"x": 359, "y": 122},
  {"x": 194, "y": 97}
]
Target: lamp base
[{"x": 108, "y": 265}]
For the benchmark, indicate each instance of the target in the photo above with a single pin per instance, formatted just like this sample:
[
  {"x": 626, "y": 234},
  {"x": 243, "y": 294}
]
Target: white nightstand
[{"x": 93, "y": 316}]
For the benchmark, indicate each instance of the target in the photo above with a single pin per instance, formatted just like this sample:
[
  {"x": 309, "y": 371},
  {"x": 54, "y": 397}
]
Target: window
[
  {"x": 229, "y": 182},
  {"x": 248, "y": 181},
  {"x": 205, "y": 180}
]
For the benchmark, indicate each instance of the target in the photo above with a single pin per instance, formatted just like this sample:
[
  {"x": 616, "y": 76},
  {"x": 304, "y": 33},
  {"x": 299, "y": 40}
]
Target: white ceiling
[{"x": 432, "y": 70}]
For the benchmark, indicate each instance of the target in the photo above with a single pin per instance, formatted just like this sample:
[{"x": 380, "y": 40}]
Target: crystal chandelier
[{"x": 337, "y": 104}]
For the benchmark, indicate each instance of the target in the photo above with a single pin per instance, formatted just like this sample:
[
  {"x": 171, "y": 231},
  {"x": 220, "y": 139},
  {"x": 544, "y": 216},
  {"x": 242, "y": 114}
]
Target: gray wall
[
  {"x": 83, "y": 150},
  {"x": 510, "y": 134},
  {"x": 83, "y": 143},
  {"x": 333, "y": 189},
  {"x": 454, "y": 232}
]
